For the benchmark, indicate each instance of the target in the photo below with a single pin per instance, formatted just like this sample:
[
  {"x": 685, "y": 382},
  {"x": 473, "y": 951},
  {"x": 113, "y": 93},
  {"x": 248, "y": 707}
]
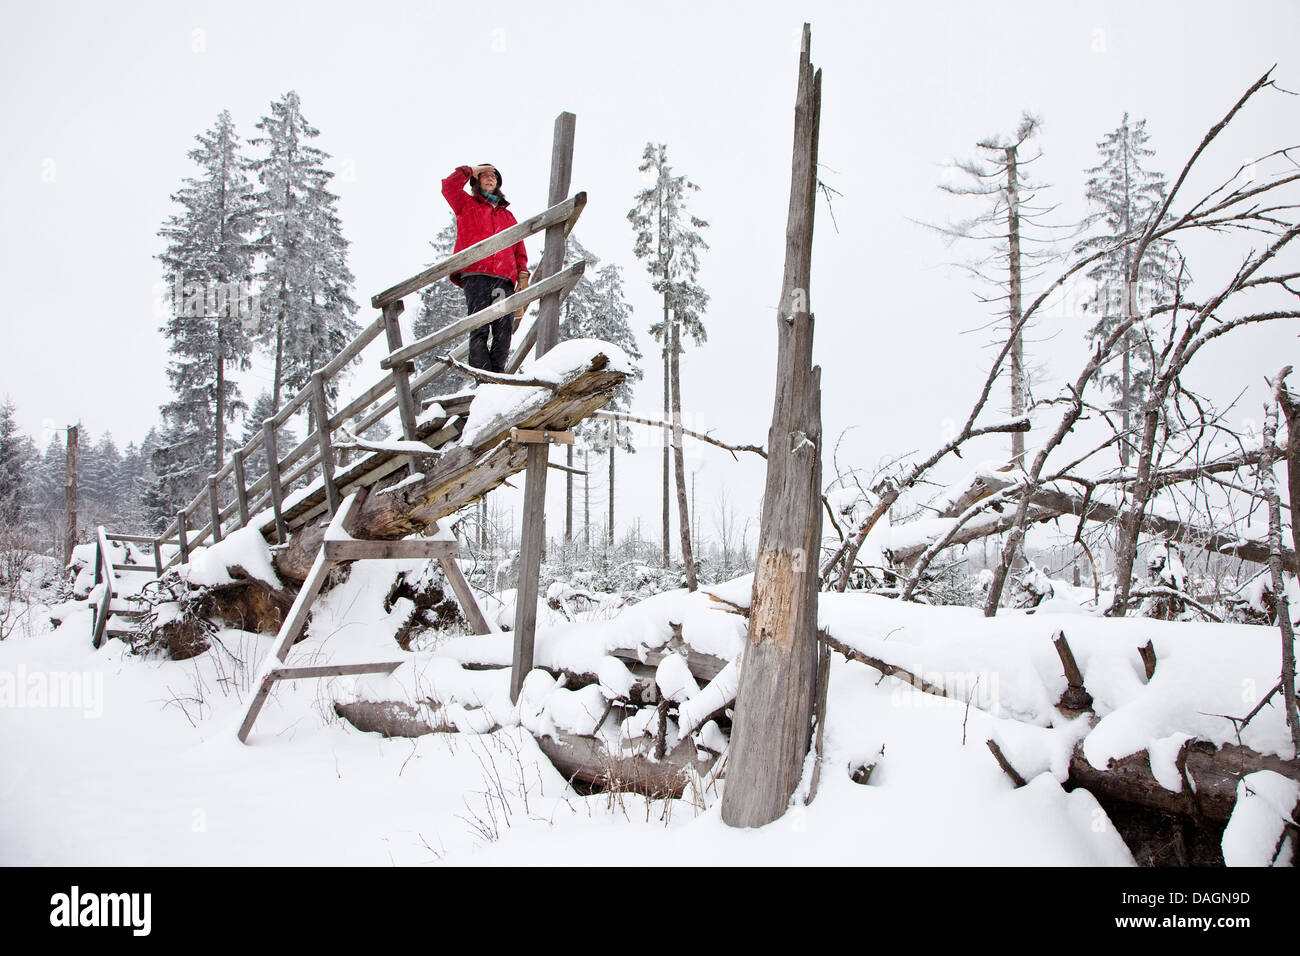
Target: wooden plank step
[{"x": 133, "y": 615}]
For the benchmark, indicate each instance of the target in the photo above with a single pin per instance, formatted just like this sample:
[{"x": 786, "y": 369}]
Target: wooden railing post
[
  {"x": 273, "y": 478},
  {"x": 548, "y": 311},
  {"x": 320, "y": 412},
  {"x": 157, "y": 556},
  {"x": 182, "y": 536},
  {"x": 214, "y": 505},
  {"x": 533, "y": 539},
  {"x": 241, "y": 488},
  {"x": 402, "y": 372}
]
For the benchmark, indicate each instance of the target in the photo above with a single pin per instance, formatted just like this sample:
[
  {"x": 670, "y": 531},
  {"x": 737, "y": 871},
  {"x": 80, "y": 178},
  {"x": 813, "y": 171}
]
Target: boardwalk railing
[{"x": 245, "y": 501}]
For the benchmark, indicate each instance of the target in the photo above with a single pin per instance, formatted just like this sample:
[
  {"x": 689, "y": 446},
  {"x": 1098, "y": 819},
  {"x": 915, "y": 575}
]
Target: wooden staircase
[{"x": 345, "y": 475}]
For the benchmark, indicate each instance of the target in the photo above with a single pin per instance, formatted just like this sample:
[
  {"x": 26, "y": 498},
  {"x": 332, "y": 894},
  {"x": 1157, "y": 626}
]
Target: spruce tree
[
  {"x": 17, "y": 454},
  {"x": 137, "y": 477},
  {"x": 306, "y": 305},
  {"x": 179, "y": 470},
  {"x": 667, "y": 238},
  {"x": 285, "y": 438},
  {"x": 208, "y": 264},
  {"x": 99, "y": 481},
  {"x": 1013, "y": 230},
  {"x": 1123, "y": 195}
]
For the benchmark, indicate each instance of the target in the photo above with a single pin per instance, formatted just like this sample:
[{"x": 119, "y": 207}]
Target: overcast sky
[{"x": 100, "y": 104}]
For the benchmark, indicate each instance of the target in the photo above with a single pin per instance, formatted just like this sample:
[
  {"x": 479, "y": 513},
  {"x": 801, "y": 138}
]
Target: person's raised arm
[{"x": 453, "y": 187}]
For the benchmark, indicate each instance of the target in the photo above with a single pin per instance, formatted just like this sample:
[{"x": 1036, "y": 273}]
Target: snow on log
[
  {"x": 1213, "y": 772},
  {"x": 1265, "y": 822},
  {"x": 586, "y": 374},
  {"x": 586, "y": 760}
]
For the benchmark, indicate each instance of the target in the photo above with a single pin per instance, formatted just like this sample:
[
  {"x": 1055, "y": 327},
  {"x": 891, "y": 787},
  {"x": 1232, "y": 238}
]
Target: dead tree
[
  {"x": 775, "y": 701},
  {"x": 1280, "y": 602},
  {"x": 1007, "y": 224},
  {"x": 1227, "y": 207}
]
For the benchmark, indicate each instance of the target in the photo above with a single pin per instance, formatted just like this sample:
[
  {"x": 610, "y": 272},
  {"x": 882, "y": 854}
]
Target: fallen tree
[{"x": 1046, "y": 503}]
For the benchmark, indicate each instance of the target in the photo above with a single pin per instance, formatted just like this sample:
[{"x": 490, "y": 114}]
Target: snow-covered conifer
[
  {"x": 208, "y": 264},
  {"x": 668, "y": 238},
  {"x": 306, "y": 304},
  {"x": 1124, "y": 195}
]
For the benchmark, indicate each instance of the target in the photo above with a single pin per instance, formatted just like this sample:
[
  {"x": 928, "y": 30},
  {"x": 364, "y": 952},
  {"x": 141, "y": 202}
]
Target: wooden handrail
[
  {"x": 103, "y": 575},
  {"x": 562, "y": 282},
  {"x": 566, "y": 212}
]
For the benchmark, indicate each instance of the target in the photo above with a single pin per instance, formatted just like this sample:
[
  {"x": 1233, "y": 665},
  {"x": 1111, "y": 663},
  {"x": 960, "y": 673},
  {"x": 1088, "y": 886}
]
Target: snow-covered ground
[{"x": 110, "y": 758}]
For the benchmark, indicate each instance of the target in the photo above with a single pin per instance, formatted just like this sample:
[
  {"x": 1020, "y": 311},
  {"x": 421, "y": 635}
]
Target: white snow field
[{"x": 107, "y": 758}]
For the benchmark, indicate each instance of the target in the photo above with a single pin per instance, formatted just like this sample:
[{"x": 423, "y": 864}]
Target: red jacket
[{"x": 476, "y": 220}]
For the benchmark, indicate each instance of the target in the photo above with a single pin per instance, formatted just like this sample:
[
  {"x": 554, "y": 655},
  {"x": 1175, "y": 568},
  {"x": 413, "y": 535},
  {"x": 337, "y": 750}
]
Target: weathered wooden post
[
  {"x": 320, "y": 411},
  {"x": 273, "y": 479},
  {"x": 182, "y": 537},
  {"x": 241, "y": 487},
  {"x": 778, "y": 677},
  {"x": 548, "y": 332},
  {"x": 214, "y": 506},
  {"x": 70, "y": 496}
]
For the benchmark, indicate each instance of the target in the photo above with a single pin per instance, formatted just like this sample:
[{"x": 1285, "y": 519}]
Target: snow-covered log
[
  {"x": 586, "y": 760},
  {"x": 1213, "y": 772},
  {"x": 481, "y": 460}
]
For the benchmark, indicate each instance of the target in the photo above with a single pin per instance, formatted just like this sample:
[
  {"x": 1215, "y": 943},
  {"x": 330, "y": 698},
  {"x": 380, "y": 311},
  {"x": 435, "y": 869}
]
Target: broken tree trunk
[{"x": 774, "y": 704}]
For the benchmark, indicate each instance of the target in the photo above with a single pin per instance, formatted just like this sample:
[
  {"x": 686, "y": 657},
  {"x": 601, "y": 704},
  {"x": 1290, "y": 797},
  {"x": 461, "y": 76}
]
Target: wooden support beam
[
  {"x": 296, "y": 620},
  {"x": 320, "y": 411},
  {"x": 544, "y": 436},
  {"x": 332, "y": 670},
  {"x": 293, "y": 624},
  {"x": 401, "y": 371},
  {"x": 157, "y": 556},
  {"x": 464, "y": 596},
  {"x": 241, "y": 488},
  {"x": 548, "y": 313},
  {"x": 273, "y": 477},
  {"x": 530, "y": 561},
  {"x": 354, "y": 549},
  {"x": 214, "y": 504}
]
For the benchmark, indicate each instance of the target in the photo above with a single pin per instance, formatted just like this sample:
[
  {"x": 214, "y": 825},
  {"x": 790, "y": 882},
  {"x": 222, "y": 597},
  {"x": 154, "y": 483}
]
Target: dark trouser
[{"x": 480, "y": 292}]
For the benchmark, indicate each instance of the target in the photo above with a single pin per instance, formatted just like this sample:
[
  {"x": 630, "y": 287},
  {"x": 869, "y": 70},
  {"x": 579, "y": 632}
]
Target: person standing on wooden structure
[{"x": 481, "y": 213}]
